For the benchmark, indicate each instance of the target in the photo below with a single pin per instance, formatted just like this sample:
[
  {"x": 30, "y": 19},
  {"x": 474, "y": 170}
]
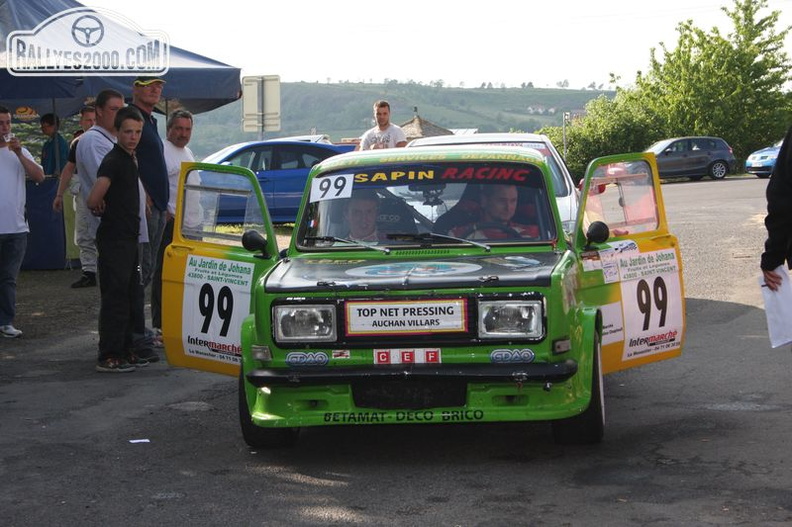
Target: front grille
[{"x": 409, "y": 394}]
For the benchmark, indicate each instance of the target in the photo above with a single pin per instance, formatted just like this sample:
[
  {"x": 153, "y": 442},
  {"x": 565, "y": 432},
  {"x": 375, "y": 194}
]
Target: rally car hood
[{"x": 312, "y": 274}]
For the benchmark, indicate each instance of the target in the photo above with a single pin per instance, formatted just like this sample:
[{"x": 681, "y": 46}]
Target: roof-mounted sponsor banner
[{"x": 87, "y": 41}]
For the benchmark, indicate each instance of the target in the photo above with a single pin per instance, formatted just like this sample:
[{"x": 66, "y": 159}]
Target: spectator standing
[
  {"x": 116, "y": 198},
  {"x": 16, "y": 163},
  {"x": 55, "y": 150},
  {"x": 179, "y": 132},
  {"x": 93, "y": 145},
  {"x": 146, "y": 93},
  {"x": 778, "y": 247},
  {"x": 385, "y": 134},
  {"x": 67, "y": 180}
]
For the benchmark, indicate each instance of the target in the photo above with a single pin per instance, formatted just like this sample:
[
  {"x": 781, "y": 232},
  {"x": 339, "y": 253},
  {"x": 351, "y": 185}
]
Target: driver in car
[
  {"x": 498, "y": 205},
  {"x": 361, "y": 217}
]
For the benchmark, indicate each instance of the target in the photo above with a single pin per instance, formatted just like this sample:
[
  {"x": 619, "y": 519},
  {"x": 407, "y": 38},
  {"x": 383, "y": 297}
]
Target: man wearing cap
[{"x": 146, "y": 93}]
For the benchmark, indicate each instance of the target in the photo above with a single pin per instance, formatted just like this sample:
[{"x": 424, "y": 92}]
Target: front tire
[
  {"x": 587, "y": 428},
  {"x": 257, "y": 436},
  {"x": 718, "y": 170}
]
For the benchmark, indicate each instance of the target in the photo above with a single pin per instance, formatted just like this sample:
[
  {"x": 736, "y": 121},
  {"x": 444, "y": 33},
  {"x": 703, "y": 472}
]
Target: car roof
[
  {"x": 670, "y": 140},
  {"x": 433, "y": 154},
  {"x": 310, "y": 138},
  {"x": 227, "y": 150},
  {"x": 494, "y": 137}
]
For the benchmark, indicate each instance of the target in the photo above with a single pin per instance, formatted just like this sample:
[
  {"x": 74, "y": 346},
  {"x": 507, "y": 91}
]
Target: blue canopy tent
[{"x": 193, "y": 82}]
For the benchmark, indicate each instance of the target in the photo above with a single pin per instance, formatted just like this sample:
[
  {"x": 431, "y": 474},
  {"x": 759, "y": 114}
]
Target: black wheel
[
  {"x": 763, "y": 176},
  {"x": 588, "y": 427},
  {"x": 257, "y": 436},
  {"x": 509, "y": 231},
  {"x": 718, "y": 170}
]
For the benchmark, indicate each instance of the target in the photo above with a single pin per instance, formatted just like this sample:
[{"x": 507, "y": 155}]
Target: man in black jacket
[{"x": 778, "y": 247}]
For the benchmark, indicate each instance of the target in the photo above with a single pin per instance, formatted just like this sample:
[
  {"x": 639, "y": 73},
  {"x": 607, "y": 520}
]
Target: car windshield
[
  {"x": 659, "y": 146},
  {"x": 457, "y": 203}
]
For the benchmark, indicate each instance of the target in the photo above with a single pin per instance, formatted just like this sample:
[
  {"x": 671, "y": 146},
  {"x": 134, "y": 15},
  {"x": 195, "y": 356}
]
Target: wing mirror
[
  {"x": 255, "y": 241},
  {"x": 598, "y": 232}
]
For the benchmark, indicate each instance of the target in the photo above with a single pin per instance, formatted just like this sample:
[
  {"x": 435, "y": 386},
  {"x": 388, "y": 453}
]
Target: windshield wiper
[
  {"x": 344, "y": 240},
  {"x": 428, "y": 237}
]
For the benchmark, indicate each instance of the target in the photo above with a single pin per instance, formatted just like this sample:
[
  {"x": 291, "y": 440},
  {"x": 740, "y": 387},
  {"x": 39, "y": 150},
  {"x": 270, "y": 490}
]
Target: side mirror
[
  {"x": 598, "y": 232},
  {"x": 255, "y": 241}
]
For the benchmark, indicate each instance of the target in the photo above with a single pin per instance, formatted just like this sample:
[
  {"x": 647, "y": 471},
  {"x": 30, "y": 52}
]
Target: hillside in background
[{"x": 345, "y": 110}]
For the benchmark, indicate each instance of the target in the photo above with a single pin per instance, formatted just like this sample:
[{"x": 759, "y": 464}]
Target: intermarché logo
[{"x": 87, "y": 41}]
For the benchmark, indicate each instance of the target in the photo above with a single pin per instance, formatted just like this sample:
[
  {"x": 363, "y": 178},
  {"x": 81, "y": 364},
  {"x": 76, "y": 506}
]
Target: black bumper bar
[{"x": 541, "y": 372}]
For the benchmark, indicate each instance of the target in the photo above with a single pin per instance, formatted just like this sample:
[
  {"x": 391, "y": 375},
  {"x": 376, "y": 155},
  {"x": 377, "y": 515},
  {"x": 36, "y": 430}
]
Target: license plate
[{"x": 405, "y": 318}]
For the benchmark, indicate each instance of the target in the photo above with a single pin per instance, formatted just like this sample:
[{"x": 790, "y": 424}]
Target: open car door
[
  {"x": 635, "y": 276},
  {"x": 207, "y": 275}
]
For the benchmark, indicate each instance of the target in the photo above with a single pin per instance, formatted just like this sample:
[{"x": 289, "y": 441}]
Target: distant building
[{"x": 420, "y": 127}]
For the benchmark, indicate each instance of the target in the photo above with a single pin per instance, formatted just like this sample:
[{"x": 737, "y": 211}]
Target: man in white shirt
[
  {"x": 179, "y": 132},
  {"x": 16, "y": 163},
  {"x": 385, "y": 134},
  {"x": 93, "y": 146}
]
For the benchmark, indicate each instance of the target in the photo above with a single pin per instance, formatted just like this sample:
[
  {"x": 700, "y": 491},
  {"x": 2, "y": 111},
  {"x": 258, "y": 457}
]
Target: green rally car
[{"x": 431, "y": 285}]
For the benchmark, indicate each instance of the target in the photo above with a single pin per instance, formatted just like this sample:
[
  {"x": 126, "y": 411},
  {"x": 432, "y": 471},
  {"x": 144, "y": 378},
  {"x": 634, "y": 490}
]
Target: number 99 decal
[
  {"x": 331, "y": 187},
  {"x": 216, "y": 298},
  {"x": 648, "y": 299},
  {"x": 652, "y": 311},
  {"x": 225, "y": 307}
]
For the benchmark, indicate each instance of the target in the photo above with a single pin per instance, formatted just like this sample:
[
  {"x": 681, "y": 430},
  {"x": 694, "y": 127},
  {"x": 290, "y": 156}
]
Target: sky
[{"x": 503, "y": 42}]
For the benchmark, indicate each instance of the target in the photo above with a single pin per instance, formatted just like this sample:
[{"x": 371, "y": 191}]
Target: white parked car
[{"x": 565, "y": 191}]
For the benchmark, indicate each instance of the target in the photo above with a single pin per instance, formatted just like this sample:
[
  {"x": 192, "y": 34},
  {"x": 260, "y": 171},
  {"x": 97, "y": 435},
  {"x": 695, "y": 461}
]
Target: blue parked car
[
  {"x": 761, "y": 162},
  {"x": 282, "y": 167}
]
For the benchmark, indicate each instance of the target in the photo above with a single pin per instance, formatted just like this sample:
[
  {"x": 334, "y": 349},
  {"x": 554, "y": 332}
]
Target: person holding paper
[{"x": 778, "y": 247}]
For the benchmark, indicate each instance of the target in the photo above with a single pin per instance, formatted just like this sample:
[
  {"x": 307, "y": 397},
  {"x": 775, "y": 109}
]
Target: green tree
[
  {"x": 610, "y": 126},
  {"x": 732, "y": 87}
]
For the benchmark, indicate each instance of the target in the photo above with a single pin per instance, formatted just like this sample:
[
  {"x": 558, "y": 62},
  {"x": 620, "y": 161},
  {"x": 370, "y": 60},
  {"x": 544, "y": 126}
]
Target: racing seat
[{"x": 395, "y": 216}]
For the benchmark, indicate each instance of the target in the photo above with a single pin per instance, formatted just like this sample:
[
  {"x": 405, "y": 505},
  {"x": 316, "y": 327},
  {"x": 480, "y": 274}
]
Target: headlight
[
  {"x": 510, "y": 319},
  {"x": 313, "y": 323}
]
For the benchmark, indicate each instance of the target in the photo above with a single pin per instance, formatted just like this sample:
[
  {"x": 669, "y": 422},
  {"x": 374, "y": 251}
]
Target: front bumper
[
  {"x": 763, "y": 170},
  {"x": 482, "y": 373}
]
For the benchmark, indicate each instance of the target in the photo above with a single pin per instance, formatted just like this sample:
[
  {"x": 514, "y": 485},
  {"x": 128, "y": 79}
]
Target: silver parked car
[{"x": 565, "y": 191}]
